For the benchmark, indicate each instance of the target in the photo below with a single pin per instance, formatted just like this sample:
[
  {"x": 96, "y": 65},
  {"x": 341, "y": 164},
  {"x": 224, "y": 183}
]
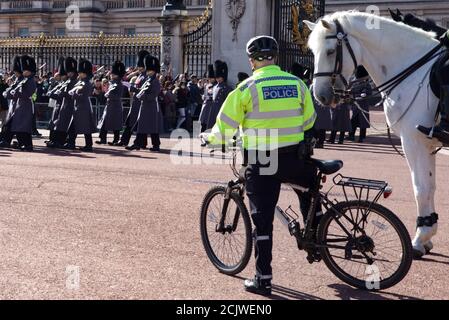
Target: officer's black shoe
[
  {"x": 69, "y": 146},
  {"x": 256, "y": 286},
  {"x": 86, "y": 149},
  {"x": 155, "y": 149},
  {"x": 100, "y": 142},
  {"x": 133, "y": 148},
  {"x": 115, "y": 144},
  {"x": 440, "y": 132}
]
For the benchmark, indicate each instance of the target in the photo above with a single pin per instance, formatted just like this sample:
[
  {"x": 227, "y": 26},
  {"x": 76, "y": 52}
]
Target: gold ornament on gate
[{"x": 300, "y": 33}]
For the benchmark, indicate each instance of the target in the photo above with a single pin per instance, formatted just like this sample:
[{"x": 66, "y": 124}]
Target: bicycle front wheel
[
  {"x": 227, "y": 240},
  {"x": 365, "y": 245}
]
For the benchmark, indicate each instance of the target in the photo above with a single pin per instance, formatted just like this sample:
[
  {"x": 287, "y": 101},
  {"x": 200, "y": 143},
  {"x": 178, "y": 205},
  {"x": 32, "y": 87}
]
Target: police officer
[
  {"x": 112, "y": 119},
  {"x": 277, "y": 103},
  {"x": 148, "y": 122},
  {"x": 131, "y": 119},
  {"x": 83, "y": 116},
  {"x": 62, "y": 123},
  {"x": 21, "y": 119},
  {"x": 55, "y": 100}
]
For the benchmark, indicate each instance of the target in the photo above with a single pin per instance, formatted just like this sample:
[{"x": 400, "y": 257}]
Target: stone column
[
  {"x": 173, "y": 15},
  {"x": 227, "y": 43}
]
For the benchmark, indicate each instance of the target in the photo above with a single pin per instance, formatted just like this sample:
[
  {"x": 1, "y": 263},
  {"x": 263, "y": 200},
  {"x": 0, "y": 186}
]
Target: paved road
[{"x": 128, "y": 222}]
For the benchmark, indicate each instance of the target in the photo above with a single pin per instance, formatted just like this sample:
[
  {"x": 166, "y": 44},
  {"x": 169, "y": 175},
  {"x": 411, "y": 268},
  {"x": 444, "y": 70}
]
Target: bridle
[
  {"x": 341, "y": 37},
  {"x": 387, "y": 87}
]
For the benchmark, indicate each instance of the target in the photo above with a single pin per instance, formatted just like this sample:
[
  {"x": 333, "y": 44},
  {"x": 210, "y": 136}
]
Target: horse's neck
[{"x": 388, "y": 51}]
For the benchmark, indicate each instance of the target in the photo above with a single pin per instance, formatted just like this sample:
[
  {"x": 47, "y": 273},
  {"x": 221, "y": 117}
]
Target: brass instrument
[
  {"x": 19, "y": 87},
  {"x": 145, "y": 87},
  {"x": 112, "y": 87},
  {"x": 78, "y": 86}
]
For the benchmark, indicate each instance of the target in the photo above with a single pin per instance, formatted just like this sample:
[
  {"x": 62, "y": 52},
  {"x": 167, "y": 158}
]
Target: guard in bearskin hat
[
  {"x": 149, "y": 120},
  {"x": 208, "y": 100},
  {"x": 112, "y": 119},
  {"x": 83, "y": 116},
  {"x": 131, "y": 119},
  {"x": 62, "y": 123},
  {"x": 221, "y": 90},
  {"x": 20, "y": 122}
]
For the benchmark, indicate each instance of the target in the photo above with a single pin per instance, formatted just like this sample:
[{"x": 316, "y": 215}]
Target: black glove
[{"x": 445, "y": 39}]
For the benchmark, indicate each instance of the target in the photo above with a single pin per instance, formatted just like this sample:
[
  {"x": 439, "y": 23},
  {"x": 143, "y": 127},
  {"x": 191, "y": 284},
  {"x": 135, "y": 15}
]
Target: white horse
[{"x": 385, "y": 52}]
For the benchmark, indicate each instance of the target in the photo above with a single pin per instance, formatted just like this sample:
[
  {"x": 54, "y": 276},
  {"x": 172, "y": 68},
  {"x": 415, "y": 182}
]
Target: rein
[{"x": 387, "y": 87}]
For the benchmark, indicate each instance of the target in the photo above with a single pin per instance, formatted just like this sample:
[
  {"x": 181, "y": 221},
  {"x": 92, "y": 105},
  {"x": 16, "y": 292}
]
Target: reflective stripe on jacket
[{"x": 272, "y": 109}]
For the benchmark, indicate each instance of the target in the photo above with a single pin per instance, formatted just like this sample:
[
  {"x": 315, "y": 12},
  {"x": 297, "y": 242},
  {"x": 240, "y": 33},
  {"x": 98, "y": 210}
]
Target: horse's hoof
[{"x": 417, "y": 254}]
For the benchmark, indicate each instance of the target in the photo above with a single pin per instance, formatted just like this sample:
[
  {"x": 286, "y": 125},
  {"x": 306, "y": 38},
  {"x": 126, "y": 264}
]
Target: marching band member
[
  {"x": 20, "y": 121},
  {"x": 55, "y": 100},
  {"x": 83, "y": 116},
  {"x": 131, "y": 120},
  {"x": 112, "y": 119},
  {"x": 62, "y": 123},
  {"x": 149, "y": 115}
]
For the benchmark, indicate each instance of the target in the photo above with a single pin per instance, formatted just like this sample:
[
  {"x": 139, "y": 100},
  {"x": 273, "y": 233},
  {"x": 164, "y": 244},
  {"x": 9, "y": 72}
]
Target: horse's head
[{"x": 335, "y": 60}]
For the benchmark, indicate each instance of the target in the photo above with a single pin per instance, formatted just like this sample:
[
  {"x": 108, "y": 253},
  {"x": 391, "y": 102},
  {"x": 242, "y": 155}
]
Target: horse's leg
[{"x": 423, "y": 168}]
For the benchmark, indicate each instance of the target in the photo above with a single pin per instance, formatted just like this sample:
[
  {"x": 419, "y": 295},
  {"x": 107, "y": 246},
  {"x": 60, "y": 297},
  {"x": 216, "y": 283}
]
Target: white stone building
[{"x": 126, "y": 17}]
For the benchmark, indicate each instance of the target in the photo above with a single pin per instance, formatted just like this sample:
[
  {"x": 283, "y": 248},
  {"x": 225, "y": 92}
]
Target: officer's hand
[{"x": 445, "y": 39}]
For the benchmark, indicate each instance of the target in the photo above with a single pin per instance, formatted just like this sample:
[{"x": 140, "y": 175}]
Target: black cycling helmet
[{"x": 262, "y": 48}]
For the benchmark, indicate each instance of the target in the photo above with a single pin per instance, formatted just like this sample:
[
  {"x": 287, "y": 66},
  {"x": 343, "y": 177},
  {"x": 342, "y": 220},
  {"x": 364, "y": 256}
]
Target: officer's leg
[
  {"x": 116, "y": 136},
  {"x": 71, "y": 141},
  {"x": 156, "y": 142},
  {"x": 263, "y": 194}
]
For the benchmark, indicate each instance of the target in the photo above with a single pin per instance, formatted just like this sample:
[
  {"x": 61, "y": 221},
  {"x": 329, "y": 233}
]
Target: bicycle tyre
[
  {"x": 402, "y": 233},
  {"x": 248, "y": 242}
]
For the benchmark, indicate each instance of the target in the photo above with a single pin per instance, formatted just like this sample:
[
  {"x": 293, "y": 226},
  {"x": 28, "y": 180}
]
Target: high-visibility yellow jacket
[{"x": 272, "y": 109}]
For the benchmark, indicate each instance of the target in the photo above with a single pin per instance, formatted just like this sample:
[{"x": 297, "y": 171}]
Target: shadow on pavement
[
  {"x": 345, "y": 292},
  {"x": 435, "y": 255}
]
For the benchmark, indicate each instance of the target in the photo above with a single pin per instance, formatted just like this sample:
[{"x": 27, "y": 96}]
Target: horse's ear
[
  {"x": 311, "y": 25},
  {"x": 326, "y": 24}
]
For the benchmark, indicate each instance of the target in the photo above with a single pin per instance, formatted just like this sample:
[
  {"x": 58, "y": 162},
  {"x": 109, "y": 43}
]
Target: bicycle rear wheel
[
  {"x": 365, "y": 245},
  {"x": 229, "y": 249}
]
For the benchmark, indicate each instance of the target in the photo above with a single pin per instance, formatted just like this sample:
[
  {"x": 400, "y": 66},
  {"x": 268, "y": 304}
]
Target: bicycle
[{"x": 353, "y": 235}]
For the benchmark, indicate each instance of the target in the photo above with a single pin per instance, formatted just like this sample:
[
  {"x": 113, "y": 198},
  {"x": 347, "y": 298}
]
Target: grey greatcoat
[
  {"x": 112, "y": 119},
  {"x": 67, "y": 106},
  {"x": 341, "y": 120},
  {"x": 149, "y": 120},
  {"x": 220, "y": 93},
  {"x": 55, "y": 103},
  {"x": 83, "y": 114},
  {"x": 22, "y": 116},
  {"x": 323, "y": 115},
  {"x": 133, "y": 113},
  {"x": 361, "y": 119},
  {"x": 206, "y": 109},
  {"x": 12, "y": 100}
]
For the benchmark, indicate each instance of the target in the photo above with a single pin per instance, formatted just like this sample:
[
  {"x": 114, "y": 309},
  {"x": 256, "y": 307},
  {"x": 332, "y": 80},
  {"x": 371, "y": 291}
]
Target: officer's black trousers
[{"x": 263, "y": 194}]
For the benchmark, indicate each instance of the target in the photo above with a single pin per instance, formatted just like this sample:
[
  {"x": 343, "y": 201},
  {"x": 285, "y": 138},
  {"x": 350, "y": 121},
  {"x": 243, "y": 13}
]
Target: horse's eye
[{"x": 330, "y": 52}]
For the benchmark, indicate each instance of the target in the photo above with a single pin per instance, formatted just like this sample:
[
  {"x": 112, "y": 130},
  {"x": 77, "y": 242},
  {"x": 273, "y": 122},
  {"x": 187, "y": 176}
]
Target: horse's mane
[{"x": 318, "y": 34}]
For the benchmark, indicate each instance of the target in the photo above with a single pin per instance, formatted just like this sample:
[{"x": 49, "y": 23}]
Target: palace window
[
  {"x": 23, "y": 32},
  {"x": 60, "y": 32},
  {"x": 129, "y": 31}
]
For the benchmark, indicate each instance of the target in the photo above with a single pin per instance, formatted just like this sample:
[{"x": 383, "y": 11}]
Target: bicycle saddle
[{"x": 328, "y": 166}]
